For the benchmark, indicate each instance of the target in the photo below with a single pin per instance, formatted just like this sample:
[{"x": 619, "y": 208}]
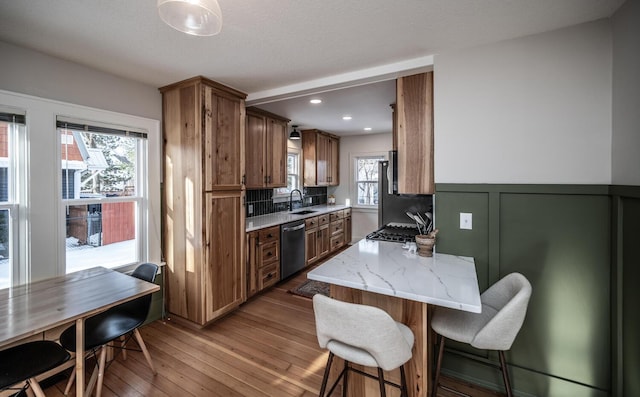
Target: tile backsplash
[{"x": 261, "y": 201}]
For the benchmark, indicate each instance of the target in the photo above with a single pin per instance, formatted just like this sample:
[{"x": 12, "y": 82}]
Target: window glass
[
  {"x": 293, "y": 175},
  {"x": 10, "y": 133},
  {"x": 102, "y": 198},
  {"x": 366, "y": 178}
]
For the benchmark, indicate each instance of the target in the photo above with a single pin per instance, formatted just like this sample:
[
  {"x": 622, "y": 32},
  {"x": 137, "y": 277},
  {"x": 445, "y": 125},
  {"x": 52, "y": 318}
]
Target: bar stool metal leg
[
  {"x": 383, "y": 392},
  {"x": 436, "y": 379}
]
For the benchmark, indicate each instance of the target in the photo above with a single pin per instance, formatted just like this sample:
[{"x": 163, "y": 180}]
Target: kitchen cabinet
[
  {"x": 320, "y": 151},
  {"x": 311, "y": 240},
  {"x": 336, "y": 230},
  {"x": 203, "y": 211},
  {"x": 347, "y": 226},
  {"x": 413, "y": 129},
  {"x": 263, "y": 259},
  {"x": 266, "y": 149}
]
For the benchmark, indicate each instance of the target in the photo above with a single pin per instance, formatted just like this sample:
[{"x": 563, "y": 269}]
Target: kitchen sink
[{"x": 303, "y": 212}]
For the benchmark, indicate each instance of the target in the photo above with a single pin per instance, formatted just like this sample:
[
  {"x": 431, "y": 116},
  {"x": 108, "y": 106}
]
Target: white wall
[
  {"x": 363, "y": 221},
  {"x": 535, "y": 109},
  {"x": 34, "y": 73},
  {"x": 625, "y": 151}
]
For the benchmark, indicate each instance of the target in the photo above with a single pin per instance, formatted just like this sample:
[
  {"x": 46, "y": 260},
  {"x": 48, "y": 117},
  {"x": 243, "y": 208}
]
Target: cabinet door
[
  {"x": 334, "y": 162},
  {"x": 253, "y": 262},
  {"x": 255, "y": 152},
  {"x": 311, "y": 245},
  {"x": 276, "y": 153},
  {"x": 223, "y": 124},
  {"x": 323, "y": 240},
  {"x": 324, "y": 157},
  {"x": 224, "y": 272},
  {"x": 347, "y": 230},
  {"x": 415, "y": 134}
]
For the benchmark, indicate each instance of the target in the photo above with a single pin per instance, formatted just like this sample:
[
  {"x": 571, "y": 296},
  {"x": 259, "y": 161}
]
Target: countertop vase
[{"x": 425, "y": 244}]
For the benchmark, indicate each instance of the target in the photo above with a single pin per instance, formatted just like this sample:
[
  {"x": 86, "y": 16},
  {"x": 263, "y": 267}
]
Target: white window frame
[
  {"x": 282, "y": 193},
  {"x": 42, "y": 227},
  {"x": 140, "y": 200},
  {"x": 16, "y": 202},
  {"x": 353, "y": 179}
]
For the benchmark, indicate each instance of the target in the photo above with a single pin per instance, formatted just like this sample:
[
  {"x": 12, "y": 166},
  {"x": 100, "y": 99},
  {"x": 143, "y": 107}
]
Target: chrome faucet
[{"x": 291, "y": 198}]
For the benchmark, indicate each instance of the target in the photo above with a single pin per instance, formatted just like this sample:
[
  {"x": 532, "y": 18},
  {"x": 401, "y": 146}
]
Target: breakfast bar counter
[{"x": 386, "y": 275}]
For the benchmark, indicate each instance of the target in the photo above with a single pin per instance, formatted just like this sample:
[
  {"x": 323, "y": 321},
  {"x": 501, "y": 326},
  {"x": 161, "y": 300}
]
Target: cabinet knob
[
  {"x": 270, "y": 253},
  {"x": 269, "y": 235}
]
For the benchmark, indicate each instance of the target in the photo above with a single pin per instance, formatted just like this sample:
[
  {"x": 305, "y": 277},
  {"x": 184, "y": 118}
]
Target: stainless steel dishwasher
[{"x": 292, "y": 246}]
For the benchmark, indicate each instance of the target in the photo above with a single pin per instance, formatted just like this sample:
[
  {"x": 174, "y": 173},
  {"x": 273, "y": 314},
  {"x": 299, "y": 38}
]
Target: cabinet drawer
[
  {"x": 347, "y": 212},
  {"x": 336, "y": 227},
  {"x": 270, "y": 251},
  {"x": 270, "y": 234},
  {"x": 323, "y": 219},
  {"x": 268, "y": 275},
  {"x": 311, "y": 223},
  {"x": 334, "y": 216},
  {"x": 337, "y": 241}
]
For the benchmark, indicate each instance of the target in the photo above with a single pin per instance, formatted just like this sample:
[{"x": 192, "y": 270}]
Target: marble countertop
[
  {"x": 386, "y": 268},
  {"x": 278, "y": 218}
]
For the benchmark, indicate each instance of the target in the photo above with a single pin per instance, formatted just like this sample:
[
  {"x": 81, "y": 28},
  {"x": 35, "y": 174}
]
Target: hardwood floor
[{"x": 267, "y": 347}]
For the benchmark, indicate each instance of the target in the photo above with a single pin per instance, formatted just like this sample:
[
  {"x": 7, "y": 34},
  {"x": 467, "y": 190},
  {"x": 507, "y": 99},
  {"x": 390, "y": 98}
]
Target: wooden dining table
[{"x": 34, "y": 308}]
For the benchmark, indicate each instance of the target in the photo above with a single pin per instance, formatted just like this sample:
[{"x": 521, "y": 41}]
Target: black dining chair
[
  {"x": 22, "y": 363},
  {"x": 118, "y": 323}
]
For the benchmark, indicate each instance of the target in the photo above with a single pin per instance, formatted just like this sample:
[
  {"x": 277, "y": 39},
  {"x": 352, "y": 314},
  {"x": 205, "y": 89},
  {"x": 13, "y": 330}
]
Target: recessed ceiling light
[
  {"x": 316, "y": 101},
  {"x": 346, "y": 117},
  {"x": 367, "y": 128}
]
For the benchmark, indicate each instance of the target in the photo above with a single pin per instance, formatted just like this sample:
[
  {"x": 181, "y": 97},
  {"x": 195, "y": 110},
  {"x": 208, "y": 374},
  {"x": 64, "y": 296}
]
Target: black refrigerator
[{"x": 392, "y": 208}]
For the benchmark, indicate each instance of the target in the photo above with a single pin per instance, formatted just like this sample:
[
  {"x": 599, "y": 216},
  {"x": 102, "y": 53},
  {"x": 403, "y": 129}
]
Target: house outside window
[
  {"x": 366, "y": 180},
  {"x": 103, "y": 194},
  {"x": 12, "y": 141}
]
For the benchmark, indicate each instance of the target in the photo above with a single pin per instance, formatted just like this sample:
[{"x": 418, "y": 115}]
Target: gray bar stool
[
  {"x": 24, "y": 362},
  {"x": 504, "y": 306},
  {"x": 363, "y": 335}
]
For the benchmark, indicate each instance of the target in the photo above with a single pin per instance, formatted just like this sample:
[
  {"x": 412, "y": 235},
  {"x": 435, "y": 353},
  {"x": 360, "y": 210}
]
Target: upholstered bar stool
[
  {"x": 24, "y": 362},
  {"x": 363, "y": 335},
  {"x": 504, "y": 306}
]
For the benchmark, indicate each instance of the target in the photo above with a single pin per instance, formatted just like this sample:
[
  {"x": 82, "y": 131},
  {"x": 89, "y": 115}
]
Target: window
[
  {"x": 293, "y": 174},
  {"x": 366, "y": 179},
  {"x": 12, "y": 137},
  {"x": 103, "y": 194}
]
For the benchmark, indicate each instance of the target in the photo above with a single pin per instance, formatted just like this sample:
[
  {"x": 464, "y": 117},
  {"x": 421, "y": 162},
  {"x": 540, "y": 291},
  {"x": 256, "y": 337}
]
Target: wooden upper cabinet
[
  {"x": 414, "y": 126},
  {"x": 266, "y": 154},
  {"x": 321, "y": 152},
  {"x": 206, "y": 120}
]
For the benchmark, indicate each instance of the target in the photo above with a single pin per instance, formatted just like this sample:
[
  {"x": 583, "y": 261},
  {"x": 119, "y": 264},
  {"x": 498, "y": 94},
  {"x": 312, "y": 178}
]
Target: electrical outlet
[
  {"x": 466, "y": 221},
  {"x": 250, "y": 209}
]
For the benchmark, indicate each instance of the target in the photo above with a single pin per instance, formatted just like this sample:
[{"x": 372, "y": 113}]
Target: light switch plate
[{"x": 466, "y": 221}]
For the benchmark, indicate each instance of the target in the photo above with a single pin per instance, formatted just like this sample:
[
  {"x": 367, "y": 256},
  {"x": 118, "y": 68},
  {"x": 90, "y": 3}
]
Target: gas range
[{"x": 395, "y": 232}]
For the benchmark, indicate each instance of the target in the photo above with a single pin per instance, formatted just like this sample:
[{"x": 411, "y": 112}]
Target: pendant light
[
  {"x": 295, "y": 134},
  {"x": 195, "y": 17}
]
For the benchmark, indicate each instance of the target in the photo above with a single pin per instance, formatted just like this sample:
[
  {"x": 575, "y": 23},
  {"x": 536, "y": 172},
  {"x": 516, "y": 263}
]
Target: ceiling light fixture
[
  {"x": 346, "y": 117},
  {"x": 195, "y": 17},
  {"x": 367, "y": 128},
  {"x": 295, "y": 134},
  {"x": 316, "y": 101}
]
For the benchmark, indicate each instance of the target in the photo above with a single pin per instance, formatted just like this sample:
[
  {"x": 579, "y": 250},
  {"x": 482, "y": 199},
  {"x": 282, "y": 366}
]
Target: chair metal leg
[
  {"x": 325, "y": 378},
  {"x": 383, "y": 392},
  {"x": 505, "y": 373},
  {"x": 404, "y": 391},
  {"x": 143, "y": 347},
  {"x": 436, "y": 379},
  {"x": 345, "y": 383}
]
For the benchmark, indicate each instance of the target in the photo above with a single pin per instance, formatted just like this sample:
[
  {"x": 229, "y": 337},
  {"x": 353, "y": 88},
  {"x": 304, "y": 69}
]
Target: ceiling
[{"x": 275, "y": 49}]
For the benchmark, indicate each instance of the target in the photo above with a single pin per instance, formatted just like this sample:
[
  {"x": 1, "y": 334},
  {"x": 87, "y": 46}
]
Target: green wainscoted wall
[
  {"x": 626, "y": 314},
  {"x": 560, "y": 238}
]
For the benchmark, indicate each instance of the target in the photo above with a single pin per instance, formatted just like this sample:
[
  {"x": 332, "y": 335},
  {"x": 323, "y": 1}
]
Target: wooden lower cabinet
[
  {"x": 263, "y": 259},
  {"x": 323, "y": 241},
  {"x": 224, "y": 272}
]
